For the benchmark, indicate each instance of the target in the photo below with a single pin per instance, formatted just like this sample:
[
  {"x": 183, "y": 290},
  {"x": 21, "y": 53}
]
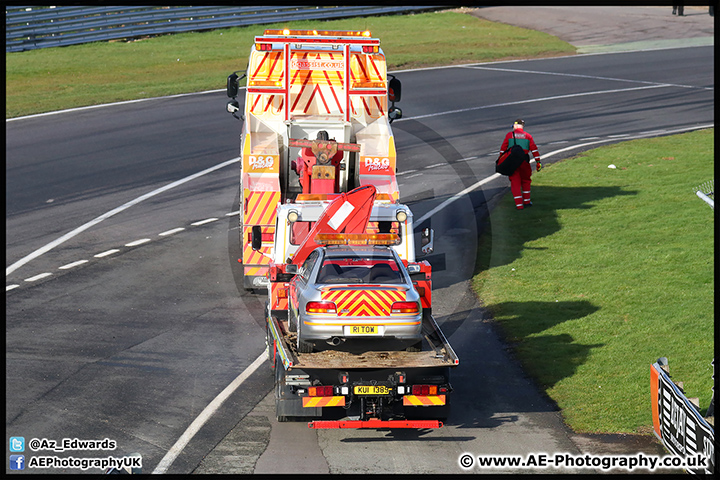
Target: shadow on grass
[
  {"x": 507, "y": 230},
  {"x": 547, "y": 358}
]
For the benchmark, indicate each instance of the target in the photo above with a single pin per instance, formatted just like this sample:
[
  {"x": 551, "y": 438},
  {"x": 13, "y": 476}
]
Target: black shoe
[{"x": 528, "y": 204}]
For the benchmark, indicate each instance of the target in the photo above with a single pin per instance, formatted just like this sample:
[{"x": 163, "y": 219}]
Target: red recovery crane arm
[{"x": 348, "y": 213}]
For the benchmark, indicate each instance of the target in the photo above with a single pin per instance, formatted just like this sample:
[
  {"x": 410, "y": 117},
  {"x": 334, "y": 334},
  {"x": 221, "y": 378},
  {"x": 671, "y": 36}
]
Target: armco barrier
[{"x": 32, "y": 27}]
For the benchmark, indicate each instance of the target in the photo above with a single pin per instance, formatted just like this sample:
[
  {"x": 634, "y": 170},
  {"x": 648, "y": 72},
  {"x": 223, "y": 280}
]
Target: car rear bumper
[{"x": 324, "y": 328}]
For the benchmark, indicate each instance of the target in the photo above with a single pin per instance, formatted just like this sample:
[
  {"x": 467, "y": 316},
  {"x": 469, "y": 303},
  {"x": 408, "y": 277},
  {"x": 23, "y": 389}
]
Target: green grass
[
  {"x": 50, "y": 79},
  {"x": 610, "y": 270}
]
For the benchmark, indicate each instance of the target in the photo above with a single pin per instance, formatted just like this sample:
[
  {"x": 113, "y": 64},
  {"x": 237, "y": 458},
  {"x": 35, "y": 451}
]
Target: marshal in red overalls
[{"x": 520, "y": 179}]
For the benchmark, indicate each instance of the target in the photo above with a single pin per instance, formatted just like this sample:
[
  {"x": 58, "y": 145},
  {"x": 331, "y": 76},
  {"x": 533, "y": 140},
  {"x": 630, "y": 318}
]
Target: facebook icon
[{"x": 17, "y": 462}]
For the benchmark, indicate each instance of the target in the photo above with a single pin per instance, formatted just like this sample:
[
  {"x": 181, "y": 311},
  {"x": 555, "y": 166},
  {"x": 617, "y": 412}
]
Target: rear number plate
[
  {"x": 372, "y": 390},
  {"x": 362, "y": 330}
]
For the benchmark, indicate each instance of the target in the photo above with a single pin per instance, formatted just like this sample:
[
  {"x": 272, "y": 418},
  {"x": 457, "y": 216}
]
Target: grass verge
[
  {"x": 610, "y": 270},
  {"x": 51, "y": 79}
]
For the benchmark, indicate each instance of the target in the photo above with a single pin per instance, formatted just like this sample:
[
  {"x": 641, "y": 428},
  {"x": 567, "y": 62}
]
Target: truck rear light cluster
[
  {"x": 332, "y": 33},
  {"x": 326, "y": 391},
  {"x": 321, "y": 307},
  {"x": 405, "y": 307},
  {"x": 424, "y": 389},
  {"x": 370, "y": 49},
  {"x": 263, "y": 47},
  {"x": 357, "y": 239}
]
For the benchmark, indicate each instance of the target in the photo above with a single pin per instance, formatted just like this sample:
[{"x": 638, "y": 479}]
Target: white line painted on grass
[
  {"x": 109, "y": 214},
  {"x": 205, "y": 415}
]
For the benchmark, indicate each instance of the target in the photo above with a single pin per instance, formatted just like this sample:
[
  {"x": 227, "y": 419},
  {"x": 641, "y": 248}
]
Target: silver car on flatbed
[{"x": 346, "y": 292}]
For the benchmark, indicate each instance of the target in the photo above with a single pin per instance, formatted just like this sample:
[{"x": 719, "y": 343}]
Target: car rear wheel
[
  {"x": 302, "y": 346},
  {"x": 415, "y": 347}
]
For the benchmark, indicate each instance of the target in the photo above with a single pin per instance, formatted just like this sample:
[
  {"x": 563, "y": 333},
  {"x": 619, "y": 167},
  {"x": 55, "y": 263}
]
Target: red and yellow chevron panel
[
  {"x": 364, "y": 303},
  {"x": 252, "y": 257},
  {"x": 323, "y": 402},
  {"x": 260, "y": 207},
  {"x": 423, "y": 400},
  {"x": 255, "y": 270}
]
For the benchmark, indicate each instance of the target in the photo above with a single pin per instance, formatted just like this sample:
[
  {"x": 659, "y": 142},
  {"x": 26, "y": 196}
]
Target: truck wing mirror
[
  {"x": 233, "y": 84},
  {"x": 427, "y": 238},
  {"x": 292, "y": 268},
  {"x": 233, "y": 106},
  {"x": 256, "y": 237},
  {"x": 394, "y": 89},
  {"x": 394, "y": 113}
]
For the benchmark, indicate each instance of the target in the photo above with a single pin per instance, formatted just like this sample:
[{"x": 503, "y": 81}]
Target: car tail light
[
  {"x": 321, "y": 307},
  {"x": 326, "y": 391},
  {"x": 405, "y": 307},
  {"x": 424, "y": 390}
]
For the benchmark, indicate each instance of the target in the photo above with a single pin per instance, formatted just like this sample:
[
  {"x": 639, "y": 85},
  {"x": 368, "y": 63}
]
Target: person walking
[
  {"x": 520, "y": 179},
  {"x": 678, "y": 8}
]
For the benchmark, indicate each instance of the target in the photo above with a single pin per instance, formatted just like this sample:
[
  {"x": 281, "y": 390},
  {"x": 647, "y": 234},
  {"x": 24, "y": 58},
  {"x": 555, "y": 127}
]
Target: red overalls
[{"x": 520, "y": 179}]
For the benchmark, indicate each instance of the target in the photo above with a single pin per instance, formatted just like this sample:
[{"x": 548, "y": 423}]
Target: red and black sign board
[{"x": 680, "y": 427}]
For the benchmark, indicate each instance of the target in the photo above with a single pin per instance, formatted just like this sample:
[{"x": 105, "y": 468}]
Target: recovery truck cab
[
  {"x": 315, "y": 99},
  {"x": 374, "y": 387}
]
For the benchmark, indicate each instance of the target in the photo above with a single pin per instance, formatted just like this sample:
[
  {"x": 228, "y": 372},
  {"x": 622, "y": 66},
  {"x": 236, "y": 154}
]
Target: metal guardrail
[{"x": 32, "y": 27}]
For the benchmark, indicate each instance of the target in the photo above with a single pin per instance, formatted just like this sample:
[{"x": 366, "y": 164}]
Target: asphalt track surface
[{"x": 129, "y": 329}]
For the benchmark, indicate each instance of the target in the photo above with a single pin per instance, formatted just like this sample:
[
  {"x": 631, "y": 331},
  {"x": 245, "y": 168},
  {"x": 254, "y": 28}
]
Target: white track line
[
  {"x": 533, "y": 100},
  {"x": 109, "y": 214},
  {"x": 38, "y": 277},
  {"x": 171, "y": 232},
  {"x": 137, "y": 242},
  {"x": 106, "y": 253},
  {"x": 203, "y": 222},
  {"x": 205, "y": 415},
  {"x": 72, "y": 265}
]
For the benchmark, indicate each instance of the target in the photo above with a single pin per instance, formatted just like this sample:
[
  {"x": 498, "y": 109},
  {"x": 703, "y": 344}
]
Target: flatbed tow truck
[
  {"x": 373, "y": 389},
  {"x": 320, "y": 104}
]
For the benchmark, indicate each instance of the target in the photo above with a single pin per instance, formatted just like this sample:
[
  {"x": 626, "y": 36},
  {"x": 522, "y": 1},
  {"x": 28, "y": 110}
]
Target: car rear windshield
[{"x": 360, "y": 270}]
